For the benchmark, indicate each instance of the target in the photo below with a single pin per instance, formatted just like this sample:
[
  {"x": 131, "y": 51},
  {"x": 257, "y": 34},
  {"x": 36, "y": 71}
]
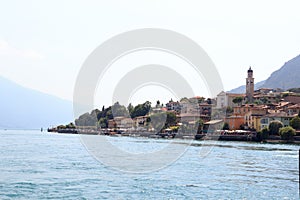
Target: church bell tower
[{"x": 250, "y": 86}]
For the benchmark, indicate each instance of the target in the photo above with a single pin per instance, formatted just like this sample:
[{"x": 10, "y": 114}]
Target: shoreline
[{"x": 251, "y": 138}]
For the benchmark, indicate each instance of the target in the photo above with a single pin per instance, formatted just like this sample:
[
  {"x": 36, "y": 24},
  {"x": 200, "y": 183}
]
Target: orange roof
[
  {"x": 294, "y": 106},
  {"x": 164, "y": 109}
]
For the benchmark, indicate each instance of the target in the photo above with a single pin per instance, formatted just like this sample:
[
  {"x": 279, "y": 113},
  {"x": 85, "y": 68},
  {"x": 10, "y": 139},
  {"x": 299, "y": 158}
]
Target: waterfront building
[
  {"x": 140, "y": 121},
  {"x": 235, "y": 121},
  {"x": 120, "y": 123},
  {"x": 280, "y": 116},
  {"x": 212, "y": 126},
  {"x": 173, "y": 105},
  {"x": 253, "y": 117},
  {"x": 205, "y": 109},
  {"x": 293, "y": 109}
]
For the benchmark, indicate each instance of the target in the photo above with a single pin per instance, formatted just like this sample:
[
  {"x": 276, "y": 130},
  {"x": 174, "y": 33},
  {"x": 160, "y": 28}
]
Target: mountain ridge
[
  {"x": 286, "y": 77},
  {"x": 25, "y": 108},
  {"x": 242, "y": 89}
]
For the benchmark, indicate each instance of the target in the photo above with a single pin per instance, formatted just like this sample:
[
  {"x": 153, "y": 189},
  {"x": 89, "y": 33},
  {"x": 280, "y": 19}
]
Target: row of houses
[
  {"x": 126, "y": 122},
  {"x": 250, "y": 116},
  {"x": 188, "y": 111},
  {"x": 244, "y": 116},
  {"x": 254, "y": 110},
  {"x": 141, "y": 121},
  {"x": 263, "y": 95},
  {"x": 194, "y": 105}
]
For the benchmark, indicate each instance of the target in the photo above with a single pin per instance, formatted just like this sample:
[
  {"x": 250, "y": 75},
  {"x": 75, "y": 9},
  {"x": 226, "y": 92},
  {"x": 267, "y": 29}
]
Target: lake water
[{"x": 37, "y": 165}]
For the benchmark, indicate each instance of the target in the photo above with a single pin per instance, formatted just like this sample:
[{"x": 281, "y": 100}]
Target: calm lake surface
[{"x": 37, "y": 165}]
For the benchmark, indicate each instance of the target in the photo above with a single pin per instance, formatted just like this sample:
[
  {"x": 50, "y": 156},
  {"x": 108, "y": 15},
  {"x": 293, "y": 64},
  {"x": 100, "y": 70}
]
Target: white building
[{"x": 224, "y": 99}]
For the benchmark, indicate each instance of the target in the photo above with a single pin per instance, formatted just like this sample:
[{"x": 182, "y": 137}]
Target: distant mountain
[
  {"x": 242, "y": 89},
  {"x": 23, "y": 108},
  {"x": 288, "y": 76}
]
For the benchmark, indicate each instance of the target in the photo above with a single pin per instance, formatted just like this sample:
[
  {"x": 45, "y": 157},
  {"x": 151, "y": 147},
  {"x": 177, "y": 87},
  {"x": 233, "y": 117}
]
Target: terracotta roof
[
  {"x": 294, "y": 106},
  {"x": 283, "y": 103},
  {"x": 214, "y": 121},
  {"x": 235, "y": 95},
  {"x": 189, "y": 115},
  {"x": 278, "y": 114},
  {"x": 234, "y": 116}
]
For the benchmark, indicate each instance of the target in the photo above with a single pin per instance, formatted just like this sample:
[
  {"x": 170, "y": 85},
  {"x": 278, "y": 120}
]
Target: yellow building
[
  {"x": 256, "y": 122},
  {"x": 253, "y": 117}
]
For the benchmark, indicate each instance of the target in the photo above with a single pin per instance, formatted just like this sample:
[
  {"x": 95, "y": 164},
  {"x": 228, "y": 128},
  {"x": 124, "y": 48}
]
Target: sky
[{"x": 43, "y": 44}]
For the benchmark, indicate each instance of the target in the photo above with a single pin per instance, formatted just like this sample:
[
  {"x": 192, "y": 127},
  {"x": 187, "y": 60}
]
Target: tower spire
[{"x": 250, "y": 86}]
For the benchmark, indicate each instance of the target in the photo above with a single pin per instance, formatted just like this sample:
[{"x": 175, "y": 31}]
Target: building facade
[
  {"x": 224, "y": 99},
  {"x": 281, "y": 116}
]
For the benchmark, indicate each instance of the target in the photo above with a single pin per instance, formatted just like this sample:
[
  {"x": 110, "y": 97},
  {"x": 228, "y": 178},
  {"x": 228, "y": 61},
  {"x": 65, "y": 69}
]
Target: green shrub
[
  {"x": 287, "y": 133},
  {"x": 263, "y": 134},
  {"x": 295, "y": 122},
  {"x": 274, "y": 127}
]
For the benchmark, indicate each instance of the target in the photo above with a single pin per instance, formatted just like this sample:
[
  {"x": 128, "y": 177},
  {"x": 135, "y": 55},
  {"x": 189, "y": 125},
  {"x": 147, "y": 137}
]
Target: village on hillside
[{"x": 255, "y": 115}]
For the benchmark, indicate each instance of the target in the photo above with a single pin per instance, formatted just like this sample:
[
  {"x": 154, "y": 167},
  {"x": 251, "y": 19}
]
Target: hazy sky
[{"x": 44, "y": 43}]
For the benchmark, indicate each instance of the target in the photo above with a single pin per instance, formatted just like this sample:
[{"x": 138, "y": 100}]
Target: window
[{"x": 264, "y": 121}]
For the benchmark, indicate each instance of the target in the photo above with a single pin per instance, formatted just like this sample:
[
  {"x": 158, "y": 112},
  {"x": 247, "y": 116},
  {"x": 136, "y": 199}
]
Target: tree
[
  {"x": 264, "y": 100},
  {"x": 287, "y": 133},
  {"x": 141, "y": 109},
  {"x": 103, "y": 122},
  {"x": 237, "y": 100},
  {"x": 257, "y": 102},
  {"x": 295, "y": 90},
  {"x": 61, "y": 127},
  {"x": 87, "y": 119},
  {"x": 158, "y": 121},
  {"x": 157, "y": 104},
  {"x": 70, "y": 125},
  {"x": 171, "y": 119},
  {"x": 162, "y": 120},
  {"x": 209, "y": 101},
  {"x": 225, "y": 126},
  {"x": 285, "y": 95},
  {"x": 199, "y": 124},
  {"x": 295, "y": 123},
  {"x": 263, "y": 134},
  {"x": 229, "y": 110},
  {"x": 274, "y": 127},
  {"x": 119, "y": 110},
  {"x": 130, "y": 108},
  {"x": 184, "y": 100}
]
